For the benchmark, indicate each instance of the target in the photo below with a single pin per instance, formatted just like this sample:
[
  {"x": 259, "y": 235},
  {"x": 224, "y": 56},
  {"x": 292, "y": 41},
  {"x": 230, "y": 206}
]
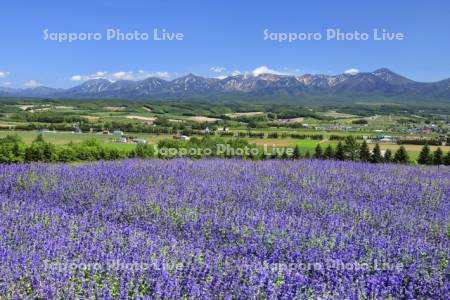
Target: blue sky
[{"x": 225, "y": 36}]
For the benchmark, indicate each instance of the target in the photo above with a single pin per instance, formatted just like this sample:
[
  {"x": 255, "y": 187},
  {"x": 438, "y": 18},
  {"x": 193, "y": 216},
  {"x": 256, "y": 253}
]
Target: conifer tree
[
  {"x": 250, "y": 156},
  {"x": 388, "y": 156},
  {"x": 263, "y": 155},
  {"x": 401, "y": 156},
  {"x": 307, "y": 154},
  {"x": 340, "y": 152},
  {"x": 318, "y": 153},
  {"x": 376, "y": 155},
  {"x": 351, "y": 147},
  {"x": 329, "y": 152},
  {"x": 364, "y": 152},
  {"x": 425, "y": 157},
  {"x": 296, "y": 153},
  {"x": 447, "y": 159},
  {"x": 438, "y": 157}
]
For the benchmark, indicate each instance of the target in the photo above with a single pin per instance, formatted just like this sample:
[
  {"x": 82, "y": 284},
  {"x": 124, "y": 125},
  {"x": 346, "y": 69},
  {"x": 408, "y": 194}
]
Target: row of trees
[
  {"x": 13, "y": 149},
  {"x": 426, "y": 157},
  {"x": 434, "y": 142},
  {"x": 350, "y": 149}
]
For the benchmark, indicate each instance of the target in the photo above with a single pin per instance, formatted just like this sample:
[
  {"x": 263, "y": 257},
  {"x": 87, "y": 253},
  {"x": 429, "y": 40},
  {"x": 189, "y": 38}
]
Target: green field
[
  {"x": 60, "y": 138},
  {"x": 25, "y": 116}
]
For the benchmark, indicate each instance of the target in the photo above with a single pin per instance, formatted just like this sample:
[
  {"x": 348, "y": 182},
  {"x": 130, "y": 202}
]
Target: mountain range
[{"x": 381, "y": 83}]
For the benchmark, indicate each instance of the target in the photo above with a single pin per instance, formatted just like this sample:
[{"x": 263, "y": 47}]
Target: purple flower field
[{"x": 224, "y": 229}]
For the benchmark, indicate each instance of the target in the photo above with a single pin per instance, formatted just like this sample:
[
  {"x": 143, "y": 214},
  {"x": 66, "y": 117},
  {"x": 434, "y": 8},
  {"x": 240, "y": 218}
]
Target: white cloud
[
  {"x": 228, "y": 74},
  {"x": 217, "y": 69},
  {"x": 256, "y": 72},
  {"x": 265, "y": 70},
  {"x": 120, "y": 75},
  {"x": 261, "y": 70},
  {"x": 5, "y": 83},
  {"x": 161, "y": 74},
  {"x": 123, "y": 75},
  {"x": 100, "y": 74},
  {"x": 352, "y": 71},
  {"x": 76, "y": 78},
  {"x": 32, "y": 83},
  {"x": 4, "y": 74}
]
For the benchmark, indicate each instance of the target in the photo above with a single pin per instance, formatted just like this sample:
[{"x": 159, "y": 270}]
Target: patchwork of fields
[
  {"x": 60, "y": 138},
  {"x": 224, "y": 229}
]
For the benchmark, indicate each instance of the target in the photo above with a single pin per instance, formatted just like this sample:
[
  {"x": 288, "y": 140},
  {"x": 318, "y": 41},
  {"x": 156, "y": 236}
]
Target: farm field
[
  {"x": 216, "y": 228},
  {"x": 60, "y": 138},
  {"x": 162, "y": 119},
  {"x": 313, "y": 132},
  {"x": 66, "y": 137}
]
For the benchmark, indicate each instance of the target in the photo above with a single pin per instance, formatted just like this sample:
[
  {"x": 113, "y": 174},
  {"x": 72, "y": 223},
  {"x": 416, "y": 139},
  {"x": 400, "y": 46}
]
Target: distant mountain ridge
[{"x": 379, "y": 83}]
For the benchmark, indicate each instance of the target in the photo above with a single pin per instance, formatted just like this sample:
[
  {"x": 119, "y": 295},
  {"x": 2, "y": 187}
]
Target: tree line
[
  {"x": 13, "y": 150},
  {"x": 351, "y": 150},
  {"x": 427, "y": 157}
]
